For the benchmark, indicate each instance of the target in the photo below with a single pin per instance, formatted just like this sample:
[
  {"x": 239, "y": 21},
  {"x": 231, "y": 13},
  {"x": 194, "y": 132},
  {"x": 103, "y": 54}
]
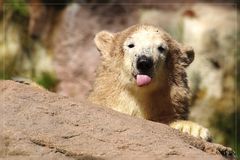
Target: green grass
[
  {"x": 47, "y": 80},
  {"x": 17, "y": 6}
]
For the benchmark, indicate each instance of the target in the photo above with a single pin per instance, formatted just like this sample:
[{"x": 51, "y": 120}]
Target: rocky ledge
[{"x": 37, "y": 124}]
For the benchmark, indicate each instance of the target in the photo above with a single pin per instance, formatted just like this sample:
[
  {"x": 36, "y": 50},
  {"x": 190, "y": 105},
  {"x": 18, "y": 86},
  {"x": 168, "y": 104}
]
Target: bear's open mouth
[{"x": 142, "y": 79}]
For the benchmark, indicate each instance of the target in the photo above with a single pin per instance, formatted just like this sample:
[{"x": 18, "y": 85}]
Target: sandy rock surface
[{"x": 37, "y": 124}]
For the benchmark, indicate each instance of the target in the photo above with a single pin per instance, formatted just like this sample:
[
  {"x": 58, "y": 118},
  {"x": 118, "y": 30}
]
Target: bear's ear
[
  {"x": 103, "y": 41},
  {"x": 188, "y": 56}
]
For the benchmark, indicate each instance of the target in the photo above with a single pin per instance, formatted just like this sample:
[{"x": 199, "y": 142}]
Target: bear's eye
[
  {"x": 131, "y": 45},
  {"x": 161, "y": 49}
]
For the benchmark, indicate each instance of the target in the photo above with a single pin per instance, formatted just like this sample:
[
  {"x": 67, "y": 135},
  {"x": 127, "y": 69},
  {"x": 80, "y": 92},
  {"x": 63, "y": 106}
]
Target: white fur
[{"x": 146, "y": 43}]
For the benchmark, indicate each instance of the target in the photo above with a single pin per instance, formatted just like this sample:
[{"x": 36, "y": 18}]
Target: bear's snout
[{"x": 144, "y": 64}]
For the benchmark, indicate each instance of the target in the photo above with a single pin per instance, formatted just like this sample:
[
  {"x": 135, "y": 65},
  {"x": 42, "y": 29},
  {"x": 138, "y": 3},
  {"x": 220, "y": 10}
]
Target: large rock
[
  {"x": 37, "y": 124},
  {"x": 75, "y": 55}
]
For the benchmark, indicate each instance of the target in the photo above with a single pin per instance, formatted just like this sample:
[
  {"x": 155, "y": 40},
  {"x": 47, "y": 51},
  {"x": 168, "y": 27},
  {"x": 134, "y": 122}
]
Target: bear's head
[{"x": 143, "y": 57}]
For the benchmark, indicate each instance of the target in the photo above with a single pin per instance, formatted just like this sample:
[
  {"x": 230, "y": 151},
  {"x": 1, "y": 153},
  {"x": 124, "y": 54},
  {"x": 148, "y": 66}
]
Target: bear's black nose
[{"x": 144, "y": 63}]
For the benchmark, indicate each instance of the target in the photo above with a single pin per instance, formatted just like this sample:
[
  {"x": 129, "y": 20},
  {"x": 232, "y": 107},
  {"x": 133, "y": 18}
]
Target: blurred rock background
[{"x": 52, "y": 43}]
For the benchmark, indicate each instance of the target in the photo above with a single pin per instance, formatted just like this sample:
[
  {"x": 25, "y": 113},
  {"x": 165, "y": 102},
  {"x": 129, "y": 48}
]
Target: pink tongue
[{"x": 143, "y": 80}]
